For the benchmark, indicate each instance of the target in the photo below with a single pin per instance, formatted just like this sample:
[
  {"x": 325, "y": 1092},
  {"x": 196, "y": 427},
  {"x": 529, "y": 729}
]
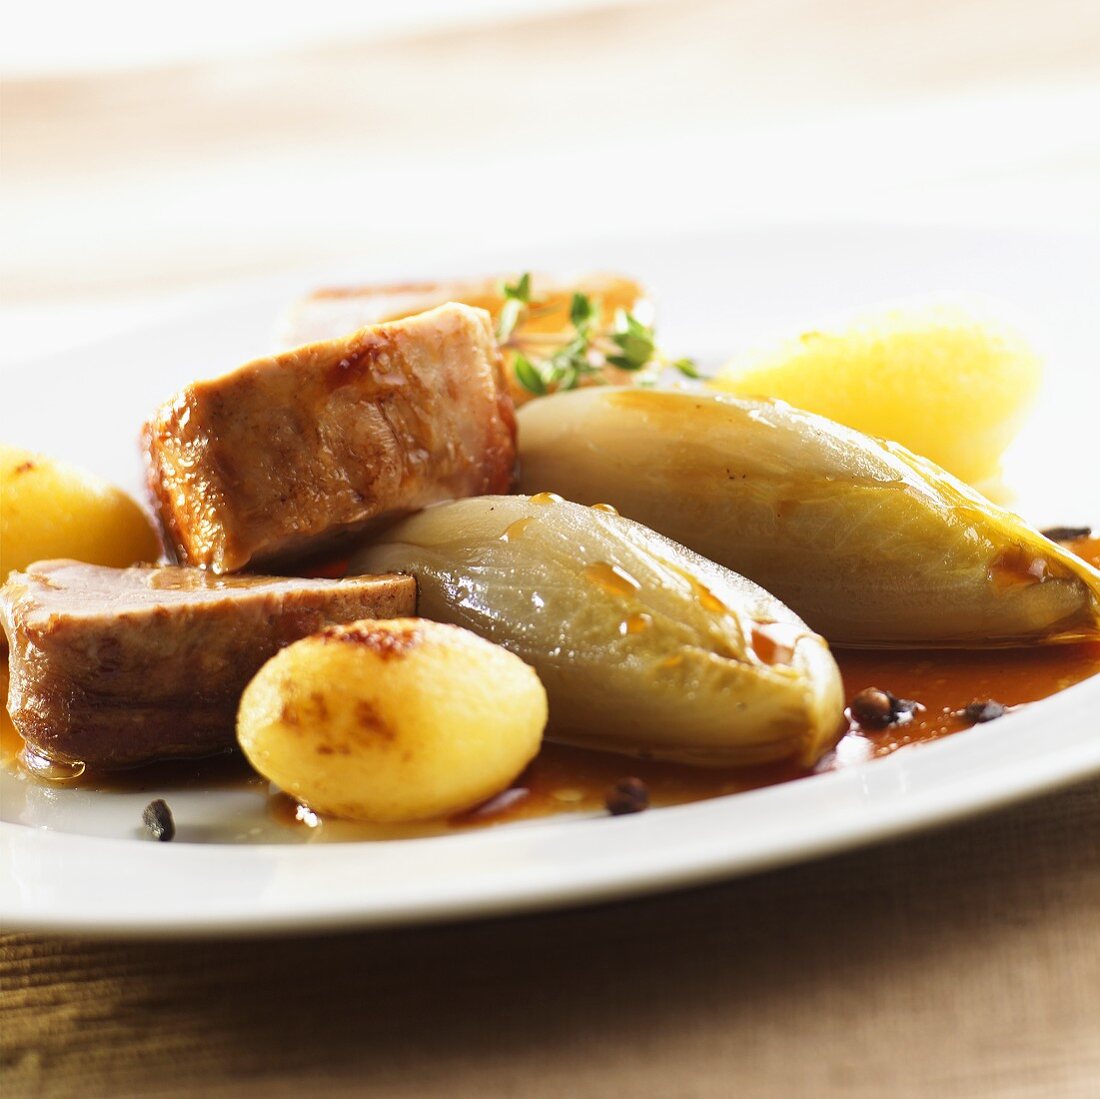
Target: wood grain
[{"x": 961, "y": 963}]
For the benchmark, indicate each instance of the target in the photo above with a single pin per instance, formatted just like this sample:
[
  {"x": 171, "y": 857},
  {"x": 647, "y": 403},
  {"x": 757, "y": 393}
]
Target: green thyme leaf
[
  {"x": 519, "y": 290},
  {"x": 634, "y": 339},
  {"x": 548, "y": 361},
  {"x": 582, "y": 311},
  {"x": 687, "y": 367},
  {"x": 634, "y": 349},
  {"x": 638, "y": 351},
  {"x": 528, "y": 376}
]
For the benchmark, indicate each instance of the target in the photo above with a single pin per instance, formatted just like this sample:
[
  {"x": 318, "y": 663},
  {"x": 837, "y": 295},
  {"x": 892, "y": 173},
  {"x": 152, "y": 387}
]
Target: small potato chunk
[
  {"x": 52, "y": 510},
  {"x": 394, "y": 720}
]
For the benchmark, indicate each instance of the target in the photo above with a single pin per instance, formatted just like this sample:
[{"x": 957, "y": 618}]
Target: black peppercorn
[
  {"x": 157, "y": 818},
  {"x": 981, "y": 712},
  {"x": 873, "y": 708},
  {"x": 628, "y": 795}
]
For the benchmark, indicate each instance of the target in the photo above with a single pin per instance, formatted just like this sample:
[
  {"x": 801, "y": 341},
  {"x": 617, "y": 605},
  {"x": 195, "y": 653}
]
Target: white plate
[{"x": 73, "y": 860}]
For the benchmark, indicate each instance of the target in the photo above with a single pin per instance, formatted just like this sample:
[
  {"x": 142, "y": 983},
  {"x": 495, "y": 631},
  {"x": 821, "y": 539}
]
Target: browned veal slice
[
  {"x": 298, "y": 453},
  {"x": 115, "y": 667}
]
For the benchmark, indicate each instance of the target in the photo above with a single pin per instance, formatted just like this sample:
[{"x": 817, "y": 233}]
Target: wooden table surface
[{"x": 960, "y": 963}]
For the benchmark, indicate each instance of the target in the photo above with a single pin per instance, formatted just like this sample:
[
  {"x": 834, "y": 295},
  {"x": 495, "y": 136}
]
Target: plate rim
[{"x": 937, "y": 803}]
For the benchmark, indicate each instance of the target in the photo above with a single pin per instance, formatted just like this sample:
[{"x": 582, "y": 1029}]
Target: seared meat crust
[{"x": 294, "y": 454}]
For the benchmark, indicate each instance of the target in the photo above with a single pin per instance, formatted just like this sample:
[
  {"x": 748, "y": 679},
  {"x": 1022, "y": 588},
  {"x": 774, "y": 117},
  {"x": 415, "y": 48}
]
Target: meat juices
[
  {"x": 115, "y": 667},
  {"x": 297, "y": 453}
]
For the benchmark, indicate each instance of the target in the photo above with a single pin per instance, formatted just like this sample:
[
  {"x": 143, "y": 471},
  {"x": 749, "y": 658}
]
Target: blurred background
[{"x": 152, "y": 153}]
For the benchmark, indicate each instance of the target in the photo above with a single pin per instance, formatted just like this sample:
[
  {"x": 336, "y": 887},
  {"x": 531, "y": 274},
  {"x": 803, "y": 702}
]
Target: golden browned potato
[
  {"x": 393, "y": 720},
  {"x": 50, "y": 509}
]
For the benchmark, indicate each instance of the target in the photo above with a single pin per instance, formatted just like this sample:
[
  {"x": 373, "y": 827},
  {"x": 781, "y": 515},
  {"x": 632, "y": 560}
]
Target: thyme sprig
[{"x": 548, "y": 361}]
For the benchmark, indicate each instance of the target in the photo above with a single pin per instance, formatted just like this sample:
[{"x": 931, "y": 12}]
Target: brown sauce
[{"x": 566, "y": 779}]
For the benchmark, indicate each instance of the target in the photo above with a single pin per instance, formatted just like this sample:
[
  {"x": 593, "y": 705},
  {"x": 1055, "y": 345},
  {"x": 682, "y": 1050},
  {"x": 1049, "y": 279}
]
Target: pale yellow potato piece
[
  {"x": 50, "y": 509},
  {"x": 949, "y": 387},
  {"x": 395, "y": 720}
]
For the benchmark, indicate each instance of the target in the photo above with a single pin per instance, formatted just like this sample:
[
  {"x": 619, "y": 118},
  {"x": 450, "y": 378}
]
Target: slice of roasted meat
[
  {"x": 293, "y": 454},
  {"x": 332, "y": 311},
  {"x": 115, "y": 667}
]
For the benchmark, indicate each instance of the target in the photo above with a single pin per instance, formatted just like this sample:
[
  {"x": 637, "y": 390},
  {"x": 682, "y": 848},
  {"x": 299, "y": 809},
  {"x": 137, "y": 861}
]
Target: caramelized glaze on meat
[{"x": 293, "y": 454}]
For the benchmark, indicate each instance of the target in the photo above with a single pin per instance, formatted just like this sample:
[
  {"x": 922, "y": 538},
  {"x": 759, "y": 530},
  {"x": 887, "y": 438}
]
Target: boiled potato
[
  {"x": 940, "y": 382},
  {"x": 394, "y": 720},
  {"x": 49, "y": 509}
]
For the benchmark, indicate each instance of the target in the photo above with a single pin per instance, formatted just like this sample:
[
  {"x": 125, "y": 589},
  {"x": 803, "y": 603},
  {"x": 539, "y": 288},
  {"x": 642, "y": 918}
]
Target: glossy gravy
[{"x": 565, "y": 779}]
